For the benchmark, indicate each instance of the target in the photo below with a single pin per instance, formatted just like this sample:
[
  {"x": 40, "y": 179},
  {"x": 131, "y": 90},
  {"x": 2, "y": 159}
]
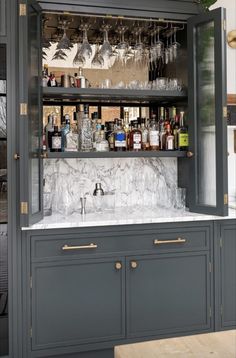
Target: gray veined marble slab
[
  {"x": 122, "y": 216},
  {"x": 134, "y": 181}
]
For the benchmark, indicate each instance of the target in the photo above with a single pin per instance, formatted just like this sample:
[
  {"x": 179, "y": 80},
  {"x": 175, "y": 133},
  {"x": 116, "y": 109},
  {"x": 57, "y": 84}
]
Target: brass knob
[
  {"x": 118, "y": 265},
  {"x": 133, "y": 264},
  {"x": 16, "y": 156},
  {"x": 44, "y": 155},
  {"x": 190, "y": 154}
]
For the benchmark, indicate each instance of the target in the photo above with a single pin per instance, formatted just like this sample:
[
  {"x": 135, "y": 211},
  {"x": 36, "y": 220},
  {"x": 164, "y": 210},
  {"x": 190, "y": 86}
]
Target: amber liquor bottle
[{"x": 135, "y": 138}]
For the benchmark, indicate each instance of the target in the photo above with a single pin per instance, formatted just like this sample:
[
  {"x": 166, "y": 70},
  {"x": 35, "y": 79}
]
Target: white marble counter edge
[{"x": 59, "y": 222}]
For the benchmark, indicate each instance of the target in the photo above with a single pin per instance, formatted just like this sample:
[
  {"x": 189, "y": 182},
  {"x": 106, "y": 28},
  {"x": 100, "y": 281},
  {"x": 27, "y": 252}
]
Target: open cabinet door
[
  {"x": 30, "y": 107},
  {"x": 207, "y": 113}
]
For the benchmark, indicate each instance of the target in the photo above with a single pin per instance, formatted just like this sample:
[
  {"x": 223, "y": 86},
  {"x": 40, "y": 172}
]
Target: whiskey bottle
[
  {"x": 154, "y": 134},
  {"x": 135, "y": 138},
  {"x": 56, "y": 140},
  {"x": 119, "y": 137},
  {"x": 49, "y": 129},
  {"x": 80, "y": 79},
  {"x": 52, "y": 82},
  {"x": 169, "y": 140},
  {"x": 110, "y": 135},
  {"x": 175, "y": 131},
  {"x": 182, "y": 134}
]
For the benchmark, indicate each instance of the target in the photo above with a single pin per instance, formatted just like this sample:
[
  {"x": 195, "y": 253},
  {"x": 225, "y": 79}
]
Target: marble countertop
[{"x": 124, "y": 216}]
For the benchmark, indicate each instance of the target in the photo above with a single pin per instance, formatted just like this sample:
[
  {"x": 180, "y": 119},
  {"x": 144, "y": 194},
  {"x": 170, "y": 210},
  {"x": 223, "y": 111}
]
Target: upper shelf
[{"x": 112, "y": 95}]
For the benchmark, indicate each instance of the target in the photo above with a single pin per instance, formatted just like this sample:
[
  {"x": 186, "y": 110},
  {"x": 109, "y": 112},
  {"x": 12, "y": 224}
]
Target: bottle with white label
[
  {"x": 119, "y": 137},
  {"x": 135, "y": 138},
  {"x": 154, "y": 138},
  {"x": 56, "y": 140},
  {"x": 170, "y": 139}
]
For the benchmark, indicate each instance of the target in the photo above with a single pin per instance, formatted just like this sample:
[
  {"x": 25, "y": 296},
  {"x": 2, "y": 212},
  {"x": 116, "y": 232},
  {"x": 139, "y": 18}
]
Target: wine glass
[
  {"x": 122, "y": 46},
  {"x": 86, "y": 49},
  {"x": 175, "y": 45},
  {"x": 79, "y": 59},
  {"x": 98, "y": 60},
  {"x": 106, "y": 50}
]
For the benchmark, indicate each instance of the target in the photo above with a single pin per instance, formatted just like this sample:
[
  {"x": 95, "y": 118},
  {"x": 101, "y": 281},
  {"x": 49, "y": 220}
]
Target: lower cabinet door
[
  {"x": 228, "y": 275},
  {"x": 167, "y": 294},
  {"x": 75, "y": 302}
]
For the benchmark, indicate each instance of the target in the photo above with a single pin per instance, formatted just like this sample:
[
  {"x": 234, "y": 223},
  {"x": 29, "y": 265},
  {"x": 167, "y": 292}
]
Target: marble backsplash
[{"x": 132, "y": 181}]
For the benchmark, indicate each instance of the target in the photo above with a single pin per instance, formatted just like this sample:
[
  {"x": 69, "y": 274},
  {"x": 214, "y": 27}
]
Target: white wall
[{"x": 230, "y": 6}]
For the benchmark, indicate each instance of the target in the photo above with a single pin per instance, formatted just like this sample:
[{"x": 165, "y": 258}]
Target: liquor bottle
[
  {"x": 169, "y": 140},
  {"x": 162, "y": 136},
  {"x": 110, "y": 135},
  {"x": 52, "y": 82},
  {"x": 56, "y": 140},
  {"x": 80, "y": 79},
  {"x": 64, "y": 131},
  {"x": 45, "y": 76},
  {"x": 135, "y": 138},
  {"x": 96, "y": 132},
  {"x": 175, "y": 131},
  {"x": 127, "y": 128},
  {"x": 86, "y": 134},
  {"x": 182, "y": 134},
  {"x": 144, "y": 130},
  {"x": 119, "y": 137},
  {"x": 154, "y": 141},
  {"x": 101, "y": 143},
  {"x": 172, "y": 117},
  {"x": 49, "y": 129}
]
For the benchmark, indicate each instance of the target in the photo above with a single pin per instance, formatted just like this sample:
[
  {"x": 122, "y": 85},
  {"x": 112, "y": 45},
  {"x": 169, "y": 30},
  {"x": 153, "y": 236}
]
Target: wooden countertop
[{"x": 217, "y": 345}]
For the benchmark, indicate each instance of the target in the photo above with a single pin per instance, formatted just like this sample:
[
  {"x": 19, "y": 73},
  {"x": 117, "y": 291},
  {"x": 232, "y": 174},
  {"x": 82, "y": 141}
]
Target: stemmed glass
[
  {"x": 139, "y": 48},
  {"x": 86, "y": 49},
  {"x": 64, "y": 43},
  {"x": 122, "y": 46},
  {"x": 159, "y": 45},
  {"x": 98, "y": 60},
  {"x": 106, "y": 50},
  {"x": 175, "y": 45}
]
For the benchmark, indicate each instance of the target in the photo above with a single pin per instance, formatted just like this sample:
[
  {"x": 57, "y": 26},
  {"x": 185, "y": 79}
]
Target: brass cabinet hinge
[
  {"x": 225, "y": 199},
  {"x": 225, "y": 112},
  {"x": 23, "y": 109},
  {"x": 22, "y": 9},
  {"x": 24, "y": 207}
]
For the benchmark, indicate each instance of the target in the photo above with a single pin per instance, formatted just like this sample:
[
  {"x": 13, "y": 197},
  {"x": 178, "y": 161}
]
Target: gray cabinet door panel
[
  {"x": 208, "y": 113},
  {"x": 228, "y": 276},
  {"x": 3, "y": 14},
  {"x": 30, "y": 110},
  {"x": 77, "y": 302},
  {"x": 170, "y": 293}
]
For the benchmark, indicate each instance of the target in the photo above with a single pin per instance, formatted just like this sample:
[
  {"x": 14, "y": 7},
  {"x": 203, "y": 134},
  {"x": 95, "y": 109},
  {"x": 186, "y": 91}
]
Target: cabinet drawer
[{"x": 107, "y": 242}]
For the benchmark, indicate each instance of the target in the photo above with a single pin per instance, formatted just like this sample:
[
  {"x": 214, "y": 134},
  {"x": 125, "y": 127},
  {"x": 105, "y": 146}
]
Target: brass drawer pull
[
  {"x": 82, "y": 247},
  {"x": 177, "y": 241}
]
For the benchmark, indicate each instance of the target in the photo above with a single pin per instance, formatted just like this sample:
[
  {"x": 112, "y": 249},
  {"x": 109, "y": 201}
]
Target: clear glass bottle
[
  {"x": 182, "y": 134},
  {"x": 64, "y": 131},
  {"x": 135, "y": 138},
  {"x": 96, "y": 132},
  {"x": 154, "y": 139},
  {"x": 119, "y": 137},
  {"x": 102, "y": 144},
  {"x": 86, "y": 131},
  {"x": 144, "y": 130}
]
